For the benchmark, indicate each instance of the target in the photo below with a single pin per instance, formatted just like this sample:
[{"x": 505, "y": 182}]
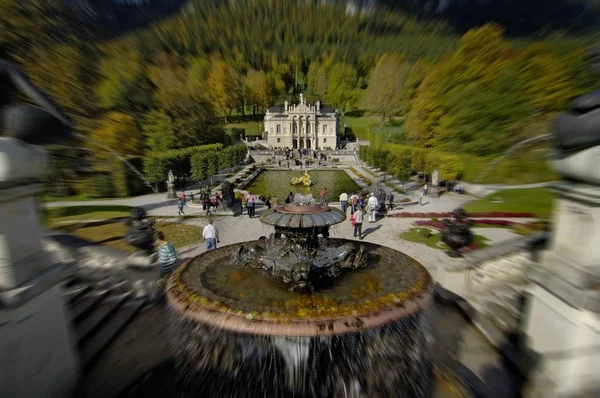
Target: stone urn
[
  {"x": 457, "y": 233},
  {"x": 140, "y": 231}
]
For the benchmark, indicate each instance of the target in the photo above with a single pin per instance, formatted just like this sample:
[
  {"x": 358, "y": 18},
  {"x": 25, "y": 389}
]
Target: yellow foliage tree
[
  {"x": 118, "y": 132},
  {"x": 225, "y": 87}
]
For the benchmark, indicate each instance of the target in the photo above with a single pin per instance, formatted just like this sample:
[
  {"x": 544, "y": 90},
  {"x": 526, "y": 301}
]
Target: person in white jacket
[{"x": 372, "y": 205}]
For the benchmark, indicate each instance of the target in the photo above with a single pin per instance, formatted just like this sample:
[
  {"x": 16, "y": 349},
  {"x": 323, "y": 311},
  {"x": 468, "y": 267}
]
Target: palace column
[{"x": 306, "y": 134}]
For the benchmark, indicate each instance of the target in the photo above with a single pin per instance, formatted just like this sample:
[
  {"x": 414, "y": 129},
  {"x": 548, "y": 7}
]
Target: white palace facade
[{"x": 302, "y": 126}]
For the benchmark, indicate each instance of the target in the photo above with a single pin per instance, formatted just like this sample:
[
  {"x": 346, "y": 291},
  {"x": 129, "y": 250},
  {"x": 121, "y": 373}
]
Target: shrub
[{"x": 424, "y": 233}]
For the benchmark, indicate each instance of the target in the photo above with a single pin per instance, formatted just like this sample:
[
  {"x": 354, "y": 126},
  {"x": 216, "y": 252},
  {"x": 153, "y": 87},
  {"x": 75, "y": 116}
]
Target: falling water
[
  {"x": 510, "y": 150},
  {"x": 121, "y": 158}
]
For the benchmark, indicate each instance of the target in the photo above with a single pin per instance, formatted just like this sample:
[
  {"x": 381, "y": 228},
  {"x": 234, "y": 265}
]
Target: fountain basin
[
  {"x": 297, "y": 216},
  {"x": 364, "y": 335},
  {"x": 369, "y": 300}
]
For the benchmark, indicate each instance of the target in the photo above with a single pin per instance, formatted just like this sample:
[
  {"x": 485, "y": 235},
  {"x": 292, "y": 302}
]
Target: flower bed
[
  {"x": 471, "y": 215},
  {"x": 440, "y": 225}
]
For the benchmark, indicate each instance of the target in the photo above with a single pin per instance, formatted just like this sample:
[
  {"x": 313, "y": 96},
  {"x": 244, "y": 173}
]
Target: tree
[
  {"x": 197, "y": 76},
  {"x": 170, "y": 78},
  {"x": 225, "y": 87},
  {"x": 259, "y": 90},
  {"x": 62, "y": 72},
  {"x": 194, "y": 123},
  {"x": 199, "y": 163},
  {"x": 402, "y": 167},
  {"x": 317, "y": 79},
  {"x": 118, "y": 132},
  {"x": 125, "y": 85},
  {"x": 472, "y": 100},
  {"x": 546, "y": 80},
  {"x": 342, "y": 91},
  {"x": 159, "y": 131},
  {"x": 156, "y": 169},
  {"x": 385, "y": 88}
]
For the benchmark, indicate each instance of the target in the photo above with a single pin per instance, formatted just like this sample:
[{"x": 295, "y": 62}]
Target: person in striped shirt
[{"x": 167, "y": 257}]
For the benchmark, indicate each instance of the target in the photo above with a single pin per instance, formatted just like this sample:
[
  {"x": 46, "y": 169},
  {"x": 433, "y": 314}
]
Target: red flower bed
[
  {"x": 432, "y": 224},
  {"x": 439, "y": 225},
  {"x": 471, "y": 215}
]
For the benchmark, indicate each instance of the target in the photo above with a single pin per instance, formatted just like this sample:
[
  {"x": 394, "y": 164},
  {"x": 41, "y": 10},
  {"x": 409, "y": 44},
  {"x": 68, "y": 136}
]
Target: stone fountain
[{"x": 301, "y": 314}]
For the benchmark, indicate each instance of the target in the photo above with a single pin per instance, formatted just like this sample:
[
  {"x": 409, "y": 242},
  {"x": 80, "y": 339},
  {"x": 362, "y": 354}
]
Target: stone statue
[
  {"x": 140, "y": 231},
  {"x": 577, "y": 139},
  {"x": 435, "y": 178},
  {"x": 228, "y": 195},
  {"x": 171, "y": 186}
]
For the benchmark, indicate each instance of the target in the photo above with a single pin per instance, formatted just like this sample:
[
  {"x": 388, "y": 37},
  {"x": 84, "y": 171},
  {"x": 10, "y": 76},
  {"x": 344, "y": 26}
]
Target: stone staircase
[
  {"x": 102, "y": 294},
  {"x": 101, "y": 305}
]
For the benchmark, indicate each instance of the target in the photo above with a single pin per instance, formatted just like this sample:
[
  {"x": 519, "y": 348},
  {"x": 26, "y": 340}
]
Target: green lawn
[
  {"x": 361, "y": 121},
  {"x": 55, "y": 216},
  {"x": 432, "y": 239},
  {"x": 113, "y": 234},
  {"x": 538, "y": 201},
  {"x": 73, "y": 198},
  {"x": 252, "y": 128}
]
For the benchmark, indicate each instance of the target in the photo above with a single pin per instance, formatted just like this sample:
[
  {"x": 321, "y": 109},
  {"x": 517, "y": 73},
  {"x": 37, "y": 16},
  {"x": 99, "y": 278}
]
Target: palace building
[{"x": 302, "y": 126}]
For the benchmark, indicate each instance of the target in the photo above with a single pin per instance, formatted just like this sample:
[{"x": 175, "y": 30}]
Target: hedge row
[{"x": 200, "y": 161}]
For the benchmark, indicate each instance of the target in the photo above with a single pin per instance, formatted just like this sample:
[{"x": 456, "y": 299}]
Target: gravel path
[{"x": 385, "y": 232}]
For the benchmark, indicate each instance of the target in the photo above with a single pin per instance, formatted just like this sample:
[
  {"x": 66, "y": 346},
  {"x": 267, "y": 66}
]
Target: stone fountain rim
[
  {"x": 307, "y": 328},
  {"x": 179, "y": 301},
  {"x": 298, "y": 208}
]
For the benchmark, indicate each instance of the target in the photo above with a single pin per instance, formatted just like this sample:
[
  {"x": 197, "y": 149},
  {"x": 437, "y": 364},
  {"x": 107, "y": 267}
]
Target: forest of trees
[{"x": 173, "y": 84}]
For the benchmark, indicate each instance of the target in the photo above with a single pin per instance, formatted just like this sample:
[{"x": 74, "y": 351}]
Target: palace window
[
  {"x": 324, "y": 140},
  {"x": 308, "y": 129},
  {"x": 279, "y": 129},
  {"x": 278, "y": 140},
  {"x": 324, "y": 129}
]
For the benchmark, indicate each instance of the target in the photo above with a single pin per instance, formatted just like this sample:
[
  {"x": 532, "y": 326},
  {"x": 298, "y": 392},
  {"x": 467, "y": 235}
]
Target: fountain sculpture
[
  {"x": 140, "y": 232},
  {"x": 301, "y": 314},
  {"x": 456, "y": 233},
  {"x": 303, "y": 181}
]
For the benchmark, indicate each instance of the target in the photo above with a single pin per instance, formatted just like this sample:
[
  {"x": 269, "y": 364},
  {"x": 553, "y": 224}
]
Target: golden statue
[{"x": 304, "y": 181}]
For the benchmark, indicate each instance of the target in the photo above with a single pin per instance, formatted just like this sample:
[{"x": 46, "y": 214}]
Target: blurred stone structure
[
  {"x": 37, "y": 352},
  {"x": 302, "y": 126},
  {"x": 563, "y": 316}
]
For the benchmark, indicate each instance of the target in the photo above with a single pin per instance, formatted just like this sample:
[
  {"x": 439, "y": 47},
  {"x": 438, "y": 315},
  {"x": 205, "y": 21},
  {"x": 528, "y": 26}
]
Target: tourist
[
  {"x": 344, "y": 201},
  {"x": 180, "y": 204},
  {"x": 353, "y": 202},
  {"x": 372, "y": 206},
  {"x": 268, "y": 202},
  {"x": 250, "y": 205},
  {"x": 425, "y": 190},
  {"x": 390, "y": 200},
  {"x": 358, "y": 219},
  {"x": 322, "y": 196},
  {"x": 290, "y": 198},
  {"x": 167, "y": 257},
  {"x": 210, "y": 233},
  {"x": 217, "y": 199},
  {"x": 421, "y": 197}
]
